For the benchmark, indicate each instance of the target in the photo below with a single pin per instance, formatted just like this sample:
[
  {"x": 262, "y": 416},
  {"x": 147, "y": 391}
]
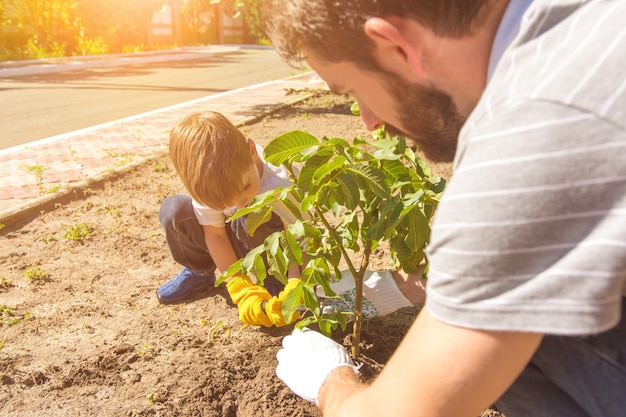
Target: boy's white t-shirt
[{"x": 272, "y": 177}]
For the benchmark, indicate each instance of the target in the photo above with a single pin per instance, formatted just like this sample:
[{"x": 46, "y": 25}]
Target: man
[{"x": 525, "y": 304}]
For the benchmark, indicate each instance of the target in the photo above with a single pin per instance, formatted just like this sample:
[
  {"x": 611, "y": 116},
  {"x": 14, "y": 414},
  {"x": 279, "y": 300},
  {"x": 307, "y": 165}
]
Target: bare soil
[{"x": 82, "y": 332}]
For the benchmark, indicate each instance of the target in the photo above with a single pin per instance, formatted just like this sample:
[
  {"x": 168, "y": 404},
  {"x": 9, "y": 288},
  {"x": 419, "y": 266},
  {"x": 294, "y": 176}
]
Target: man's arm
[{"x": 438, "y": 370}]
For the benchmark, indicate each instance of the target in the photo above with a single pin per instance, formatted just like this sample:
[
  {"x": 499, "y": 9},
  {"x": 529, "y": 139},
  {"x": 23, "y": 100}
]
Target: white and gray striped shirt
[{"x": 531, "y": 232}]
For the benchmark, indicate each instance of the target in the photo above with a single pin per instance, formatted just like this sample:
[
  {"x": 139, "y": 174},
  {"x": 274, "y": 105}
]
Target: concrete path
[{"x": 37, "y": 174}]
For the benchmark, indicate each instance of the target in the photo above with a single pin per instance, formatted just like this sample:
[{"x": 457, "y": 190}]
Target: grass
[
  {"x": 159, "y": 166},
  {"x": 36, "y": 275},
  {"x": 122, "y": 158},
  {"x": 77, "y": 232},
  {"x": 36, "y": 169},
  {"x": 5, "y": 284},
  {"x": 10, "y": 317}
]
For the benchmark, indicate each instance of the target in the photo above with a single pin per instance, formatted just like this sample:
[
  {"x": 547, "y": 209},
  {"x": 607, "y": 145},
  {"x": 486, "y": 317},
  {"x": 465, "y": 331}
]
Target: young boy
[{"x": 223, "y": 171}]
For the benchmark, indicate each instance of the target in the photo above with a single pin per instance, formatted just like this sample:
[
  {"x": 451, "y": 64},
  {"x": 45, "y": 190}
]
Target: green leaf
[
  {"x": 278, "y": 265},
  {"x": 354, "y": 108},
  {"x": 271, "y": 243},
  {"x": 259, "y": 269},
  {"x": 258, "y": 218},
  {"x": 416, "y": 230},
  {"x": 251, "y": 257},
  {"x": 293, "y": 302},
  {"x": 234, "y": 269},
  {"x": 350, "y": 189},
  {"x": 292, "y": 250},
  {"x": 395, "y": 170},
  {"x": 386, "y": 149},
  {"x": 310, "y": 300},
  {"x": 323, "y": 172},
  {"x": 371, "y": 178},
  {"x": 289, "y": 147}
]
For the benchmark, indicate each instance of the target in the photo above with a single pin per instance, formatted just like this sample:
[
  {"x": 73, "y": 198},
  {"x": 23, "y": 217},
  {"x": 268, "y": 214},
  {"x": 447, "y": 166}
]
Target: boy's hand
[
  {"x": 274, "y": 305},
  {"x": 250, "y": 299}
]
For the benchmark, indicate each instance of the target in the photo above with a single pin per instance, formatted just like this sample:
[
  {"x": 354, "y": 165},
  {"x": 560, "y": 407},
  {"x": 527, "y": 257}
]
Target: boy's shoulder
[{"x": 273, "y": 177}]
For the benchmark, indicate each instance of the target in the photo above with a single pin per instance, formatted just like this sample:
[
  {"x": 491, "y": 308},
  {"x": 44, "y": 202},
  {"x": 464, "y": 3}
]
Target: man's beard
[{"x": 428, "y": 117}]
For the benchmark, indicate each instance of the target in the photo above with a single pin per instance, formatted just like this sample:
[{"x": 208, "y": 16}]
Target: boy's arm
[
  {"x": 219, "y": 246},
  {"x": 256, "y": 305},
  {"x": 223, "y": 254},
  {"x": 293, "y": 272}
]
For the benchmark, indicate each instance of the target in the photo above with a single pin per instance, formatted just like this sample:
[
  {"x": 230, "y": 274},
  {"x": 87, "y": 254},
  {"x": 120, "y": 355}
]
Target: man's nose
[{"x": 370, "y": 120}]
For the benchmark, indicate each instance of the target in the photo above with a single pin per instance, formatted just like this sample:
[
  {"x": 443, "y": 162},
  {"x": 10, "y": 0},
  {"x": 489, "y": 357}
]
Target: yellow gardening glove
[
  {"x": 275, "y": 304},
  {"x": 249, "y": 299}
]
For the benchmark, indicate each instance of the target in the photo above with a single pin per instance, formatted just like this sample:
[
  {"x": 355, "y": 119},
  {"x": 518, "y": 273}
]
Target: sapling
[{"x": 347, "y": 199}]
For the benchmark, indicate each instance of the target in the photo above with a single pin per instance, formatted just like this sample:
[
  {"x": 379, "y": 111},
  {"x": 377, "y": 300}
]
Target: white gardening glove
[
  {"x": 381, "y": 294},
  {"x": 306, "y": 359}
]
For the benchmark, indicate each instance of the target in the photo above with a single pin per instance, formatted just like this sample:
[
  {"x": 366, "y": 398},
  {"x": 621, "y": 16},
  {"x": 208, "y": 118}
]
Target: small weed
[
  {"x": 86, "y": 327},
  {"x": 36, "y": 275},
  {"x": 10, "y": 317},
  {"x": 2, "y": 226},
  {"x": 77, "y": 232},
  {"x": 113, "y": 211},
  {"x": 3, "y": 341},
  {"x": 158, "y": 166},
  {"x": 49, "y": 190},
  {"x": 36, "y": 169},
  {"x": 122, "y": 158},
  {"x": 5, "y": 284},
  {"x": 121, "y": 161},
  {"x": 219, "y": 330},
  {"x": 48, "y": 238},
  {"x": 145, "y": 350},
  {"x": 89, "y": 191}
]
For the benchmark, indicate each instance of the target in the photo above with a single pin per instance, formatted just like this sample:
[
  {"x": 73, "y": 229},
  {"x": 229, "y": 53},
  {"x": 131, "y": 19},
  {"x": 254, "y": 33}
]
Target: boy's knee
[{"x": 174, "y": 206}]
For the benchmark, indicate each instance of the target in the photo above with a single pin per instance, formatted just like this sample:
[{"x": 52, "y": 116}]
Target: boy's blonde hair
[{"x": 210, "y": 156}]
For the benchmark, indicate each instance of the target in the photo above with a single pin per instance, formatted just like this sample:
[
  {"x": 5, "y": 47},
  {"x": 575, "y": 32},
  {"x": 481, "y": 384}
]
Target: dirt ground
[{"x": 83, "y": 334}]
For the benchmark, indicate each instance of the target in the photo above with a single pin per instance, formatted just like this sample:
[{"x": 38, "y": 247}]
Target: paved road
[{"x": 43, "y": 105}]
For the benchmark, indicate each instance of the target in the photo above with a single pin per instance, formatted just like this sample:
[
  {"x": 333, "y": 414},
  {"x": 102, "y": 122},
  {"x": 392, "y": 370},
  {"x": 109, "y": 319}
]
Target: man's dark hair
[{"x": 333, "y": 29}]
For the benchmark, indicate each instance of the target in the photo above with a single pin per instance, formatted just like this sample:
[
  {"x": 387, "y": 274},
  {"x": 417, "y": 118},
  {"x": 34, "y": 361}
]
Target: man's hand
[
  {"x": 306, "y": 360},
  {"x": 256, "y": 305}
]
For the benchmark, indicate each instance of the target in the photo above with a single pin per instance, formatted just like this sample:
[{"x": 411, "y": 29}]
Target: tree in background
[
  {"x": 197, "y": 15},
  {"x": 122, "y": 25},
  {"x": 39, "y": 28},
  {"x": 54, "y": 28},
  {"x": 252, "y": 14}
]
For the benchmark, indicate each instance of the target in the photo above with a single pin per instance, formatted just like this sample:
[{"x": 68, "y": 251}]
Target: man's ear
[{"x": 397, "y": 50}]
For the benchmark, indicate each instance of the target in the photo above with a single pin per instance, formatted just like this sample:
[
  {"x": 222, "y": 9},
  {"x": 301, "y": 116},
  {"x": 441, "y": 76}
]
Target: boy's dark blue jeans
[{"x": 185, "y": 237}]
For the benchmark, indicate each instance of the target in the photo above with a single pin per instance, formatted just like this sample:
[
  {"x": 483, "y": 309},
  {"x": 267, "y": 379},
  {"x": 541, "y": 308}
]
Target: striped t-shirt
[{"x": 530, "y": 234}]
